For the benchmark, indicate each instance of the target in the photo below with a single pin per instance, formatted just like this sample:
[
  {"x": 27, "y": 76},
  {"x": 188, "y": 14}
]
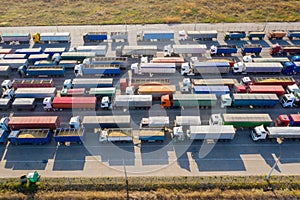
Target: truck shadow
[
  {"x": 160, "y": 44},
  {"x": 14, "y": 46},
  {"x": 295, "y": 42},
  {"x": 238, "y": 43},
  {"x": 263, "y": 43},
  {"x": 28, "y": 157},
  {"x": 54, "y": 45},
  {"x": 181, "y": 151},
  {"x": 114, "y": 45},
  {"x": 280, "y": 42},
  {"x": 154, "y": 153}
]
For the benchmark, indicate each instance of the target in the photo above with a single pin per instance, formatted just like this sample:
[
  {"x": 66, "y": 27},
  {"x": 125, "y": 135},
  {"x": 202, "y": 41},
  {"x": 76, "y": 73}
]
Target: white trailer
[
  {"x": 57, "y": 37},
  {"x": 155, "y": 122},
  {"x": 14, "y": 63},
  {"x": 189, "y": 49},
  {"x": 153, "y": 68},
  {"x": 262, "y": 133},
  {"x": 136, "y": 51},
  {"x": 255, "y": 67},
  {"x": 100, "y": 50}
]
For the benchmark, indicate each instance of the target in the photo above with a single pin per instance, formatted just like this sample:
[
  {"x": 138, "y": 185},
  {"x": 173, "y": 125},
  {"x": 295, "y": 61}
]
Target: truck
[
  {"x": 72, "y": 92},
  {"x": 100, "y": 50},
  {"x": 5, "y": 104},
  {"x": 156, "y": 90},
  {"x": 41, "y": 71},
  {"x": 224, "y": 81},
  {"x": 291, "y": 68},
  {"x": 14, "y": 63},
  {"x": 155, "y": 122},
  {"x": 277, "y": 89},
  {"x": 88, "y": 83},
  {"x": 117, "y": 36},
  {"x": 197, "y": 68},
  {"x": 18, "y": 38},
  {"x": 218, "y": 90},
  {"x": 184, "y": 50},
  {"x": 275, "y": 133},
  {"x": 14, "y": 56},
  {"x": 33, "y": 122},
  {"x": 79, "y": 56},
  {"x": 288, "y": 120},
  {"x": 114, "y": 121},
  {"x": 97, "y": 69},
  {"x": 155, "y": 35},
  {"x": 30, "y": 136},
  {"x": 29, "y": 51},
  {"x": 54, "y": 50},
  {"x": 188, "y": 100},
  {"x": 276, "y": 80},
  {"x": 201, "y": 35},
  {"x": 151, "y": 134},
  {"x": 249, "y": 100},
  {"x": 136, "y": 51},
  {"x": 94, "y": 37},
  {"x": 28, "y": 82},
  {"x": 37, "y": 57},
  {"x": 38, "y": 93},
  {"x": 223, "y": 50},
  {"x": 186, "y": 121},
  {"x": 205, "y": 132},
  {"x": 257, "y": 68},
  {"x": 251, "y": 48},
  {"x": 276, "y": 34},
  {"x": 57, "y": 37},
  {"x": 291, "y": 34},
  {"x": 128, "y": 102},
  {"x": 60, "y": 103},
  {"x": 153, "y": 68},
  {"x": 278, "y": 50},
  {"x": 116, "y": 135},
  {"x": 271, "y": 59},
  {"x": 241, "y": 120},
  {"x": 290, "y": 100},
  {"x": 71, "y": 135},
  {"x": 5, "y": 71},
  {"x": 234, "y": 35},
  {"x": 24, "y": 104},
  {"x": 121, "y": 61},
  {"x": 256, "y": 34}
]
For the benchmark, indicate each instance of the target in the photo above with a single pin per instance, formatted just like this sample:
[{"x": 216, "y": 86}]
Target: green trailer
[
  {"x": 241, "y": 120},
  {"x": 101, "y": 92}
]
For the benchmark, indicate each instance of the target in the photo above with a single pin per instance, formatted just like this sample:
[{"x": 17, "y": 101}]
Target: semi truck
[
  {"x": 156, "y": 35},
  {"x": 176, "y": 60},
  {"x": 184, "y": 50},
  {"x": 276, "y": 34},
  {"x": 14, "y": 63},
  {"x": 278, "y": 50},
  {"x": 60, "y": 103},
  {"x": 69, "y": 135},
  {"x": 273, "y": 133},
  {"x": 218, "y": 90},
  {"x": 249, "y": 100},
  {"x": 186, "y": 121},
  {"x": 94, "y": 37},
  {"x": 100, "y": 50},
  {"x": 24, "y": 104},
  {"x": 119, "y": 36},
  {"x": 256, "y": 34},
  {"x": 291, "y": 68},
  {"x": 197, "y": 68},
  {"x": 29, "y": 51},
  {"x": 116, "y": 135},
  {"x": 276, "y": 89},
  {"x": 292, "y": 34},
  {"x": 137, "y": 81},
  {"x": 115, "y": 121},
  {"x": 18, "y": 38},
  {"x": 136, "y": 51},
  {"x": 6, "y": 51},
  {"x": 241, "y": 120},
  {"x": 41, "y": 71},
  {"x": 271, "y": 59},
  {"x": 151, "y": 134},
  {"x": 155, "y": 122},
  {"x": 205, "y": 132},
  {"x": 72, "y": 92},
  {"x": 33, "y": 122},
  {"x": 188, "y": 100},
  {"x": 46, "y": 38},
  {"x": 288, "y": 120},
  {"x": 38, "y": 93},
  {"x": 30, "y": 136},
  {"x": 156, "y": 90},
  {"x": 201, "y": 35},
  {"x": 153, "y": 68},
  {"x": 97, "y": 69},
  {"x": 127, "y": 102},
  {"x": 223, "y": 50},
  {"x": 88, "y": 83},
  {"x": 257, "y": 68},
  {"x": 251, "y": 48},
  {"x": 234, "y": 35},
  {"x": 5, "y": 71},
  {"x": 102, "y": 92},
  {"x": 277, "y": 80}
]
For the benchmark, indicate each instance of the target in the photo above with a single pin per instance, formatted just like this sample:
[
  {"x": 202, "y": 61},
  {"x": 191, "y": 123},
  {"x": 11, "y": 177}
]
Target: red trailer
[
  {"x": 277, "y": 89},
  {"x": 73, "y": 92},
  {"x": 74, "y": 102},
  {"x": 34, "y": 122},
  {"x": 30, "y": 82}
]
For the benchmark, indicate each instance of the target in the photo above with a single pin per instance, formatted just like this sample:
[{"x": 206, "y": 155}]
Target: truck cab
[
  {"x": 259, "y": 133},
  {"x": 292, "y": 89},
  {"x": 106, "y": 103},
  {"x": 226, "y": 100},
  {"x": 185, "y": 69},
  {"x": 282, "y": 120},
  {"x": 68, "y": 83},
  {"x": 103, "y": 138},
  {"x": 213, "y": 50},
  {"x": 288, "y": 100},
  {"x": 4, "y": 123},
  {"x": 6, "y": 84},
  {"x": 8, "y": 94},
  {"x": 248, "y": 58},
  {"x": 78, "y": 70},
  {"x": 47, "y": 103},
  {"x": 238, "y": 67},
  {"x": 56, "y": 58},
  {"x": 75, "y": 122},
  {"x": 246, "y": 81},
  {"x": 179, "y": 134},
  {"x": 215, "y": 119}
]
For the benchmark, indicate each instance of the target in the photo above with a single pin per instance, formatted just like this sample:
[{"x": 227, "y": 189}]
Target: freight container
[
  {"x": 155, "y": 122},
  {"x": 224, "y": 81},
  {"x": 79, "y": 56},
  {"x": 41, "y": 71},
  {"x": 60, "y": 103},
  {"x": 115, "y": 121},
  {"x": 273, "y": 133},
  {"x": 38, "y": 57},
  {"x": 234, "y": 35},
  {"x": 24, "y": 104},
  {"x": 153, "y": 68},
  {"x": 20, "y": 38},
  {"x": 137, "y": 81},
  {"x": 6, "y": 51},
  {"x": 71, "y": 135},
  {"x": 30, "y": 136},
  {"x": 257, "y": 68},
  {"x": 95, "y": 37},
  {"x": 277, "y": 89},
  {"x": 99, "y": 50},
  {"x": 34, "y": 83},
  {"x": 156, "y": 90},
  {"x": 256, "y": 34},
  {"x": 38, "y": 93},
  {"x": 202, "y": 35},
  {"x": 186, "y": 121},
  {"x": 53, "y": 50},
  {"x": 72, "y": 92},
  {"x": 218, "y": 90},
  {"x": 88, "y": 83},
  {"x": 251, "y": 48},
  {"x": 121, "y": 61},
  {"x": 14, "y": 56},
  {"x": 101, "y": 92},
  {"x": 132, "y": 101},
  {"x": 155, "y": 36},
  {"x": 97, "y": 70},
  {"x": 185, "y": 50},
  {"x": 116, "y": 135},
  {"x": 188, "y": 100},
  {"x": 271, "y": 59},
  {"x": 198, "y": 68},
  {"x": 136, "y": 51},
  {"x": 151, "y": 135},
  {"x": 279, "y": 80},
  {"x": 204, "y": 132},
  {"x": 32, "y": 122}
]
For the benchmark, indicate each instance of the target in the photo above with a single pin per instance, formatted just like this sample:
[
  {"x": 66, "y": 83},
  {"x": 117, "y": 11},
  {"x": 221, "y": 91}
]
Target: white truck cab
[
  {"x": 247, "y": 59},
  {"x": 179, "y": 134},
  {"x": 213, "y": 50},
  {"x": 56, "y": 58},
  {"x": 47, "y": 103},
  {"x": 6, "y": 84},
  {"x": 68, "y": 83},
  {"x": 182, "y": 35},
  {"x": 75, "y": 122},
  {"x": 135, "y": 68},
  {"x": 288, "y": 100},
  {"x": 103, "y": 138},
  {"x": 186, "y": 69},
  {"x": 292, "y": 89},
  {"x": 238, "y": 67},
  {"x": 226, "y": 100},
  {"x": 78, "y": 70},
  {"x": 215, "y": 119},
  {"x": 259, "y": 133},
  {"x": 246, "y": 81},
  {"x": 4, "y": 123},
  {"x": 8, "y": 94},
  {"x": 106, "y": 103}
]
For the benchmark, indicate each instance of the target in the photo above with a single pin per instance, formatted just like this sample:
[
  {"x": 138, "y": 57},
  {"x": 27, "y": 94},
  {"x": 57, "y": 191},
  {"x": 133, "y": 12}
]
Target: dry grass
[{"x": 66, "y": 12}]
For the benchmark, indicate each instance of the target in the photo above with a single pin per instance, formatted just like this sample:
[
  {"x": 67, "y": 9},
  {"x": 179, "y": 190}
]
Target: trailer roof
[
  {"x": 137, "y": 48},
  {"x": 62, "y": 132},
  {"x": 211, "y": 88},
  {"x": 156, "y": 88},
  {"x": 130, "y": 98},
  {"x": 276, "y": 79},
  {"x": 32, "y": 133},
  {"x": 92, "y": 48},
  {"x": 15, "y": 56},
  {"x": 106, "y": 119},
  {"x": 281, "y": 59},
  {"x": 55, "y": 49},
  {"x": 4, "y": 67},
  {"x": 23, "y": 101},
  {"x": 14, "y": 61},
  {"x": 158, "y": 31},
  {"x": 244, "y": 117},
  {"x": 94, "y": 81},
  {"x": 215, "y": 81},
  {"x": 266, "y": 88},
  {"x": 83, "y": 54},
  {"x": 261, "y": 96},
  {"x": 295, "y": 117},
  {"x": 29, "y": 50},
  {"x": 4, "y": 101},
  {"x": 15, "y": 34},
  {"x": 33, "y": 120},
  {"x": 216, "y": 129},
  {"x": 195, "y": 97},
  {"x": 42, "y": 55},
  {"x": 158, "y": 65},
  {"x": 74, "y": 100},
  {"x": 290, "y": 130},
  {"x": 55, "y": 34},
  {"x": 188, "y": 120},
  {"x": 151, "y": 132},
  {"x": 41, "y": 90}
]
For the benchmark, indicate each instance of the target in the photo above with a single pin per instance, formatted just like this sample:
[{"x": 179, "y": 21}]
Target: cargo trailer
[
  {"x": 132, "y": 101},
  {"x": 20, "y": 38},
  {"x": 70, "y": 135},
  {"x": 218, "y": 90},
  {"x": 30, "y": 136},
  {"x": 188, "y": 100},
  {"x": 116, "y": 135},
  {"x": 38, "y": 93},
  {"x": 24, "y": 104},
  {"x": 88, "y": 83},
  {"x": 72, "y": 92},
  {"x": 151, "y": 134},
  {"x": 33, "y": 122},
  {"x": 120, "y": 121},
  {"x": 204, "y": 132},
  {"x": 60, "y": 103}
]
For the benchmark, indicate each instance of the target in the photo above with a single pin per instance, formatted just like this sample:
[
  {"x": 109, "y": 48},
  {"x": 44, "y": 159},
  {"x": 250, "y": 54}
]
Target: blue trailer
[
  {"x": 97, "y": 70},
  {"x": 155, "y": 36},
  {"x": 291, "y": 34},
  {"x": 30, "y": 136},
  {"x": 251, "y": 48},
  {"x": 256, "y": 34},
  {"x": 29, "y": 51},
  {"x": 290, "y": 68},
  {"x": 72, "y": 135},
  {"x": 223, "y": 50},
  {"x": 218, "y": 90},
  {"x": 3, "y": 136},
  {"x": 88, "y": 83},
  {"x": 295, "y": 58},
  {"x": 41, "y": 71},
  {"x": 94, "y": 37},
  {"x": 151, "y": 134},
  {"x": 235, "y": 35}
]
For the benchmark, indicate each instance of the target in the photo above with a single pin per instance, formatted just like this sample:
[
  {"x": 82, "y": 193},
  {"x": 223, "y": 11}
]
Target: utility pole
[
  {"x": 196, "y": 19},
  {"x": 126, "y": 182}
]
